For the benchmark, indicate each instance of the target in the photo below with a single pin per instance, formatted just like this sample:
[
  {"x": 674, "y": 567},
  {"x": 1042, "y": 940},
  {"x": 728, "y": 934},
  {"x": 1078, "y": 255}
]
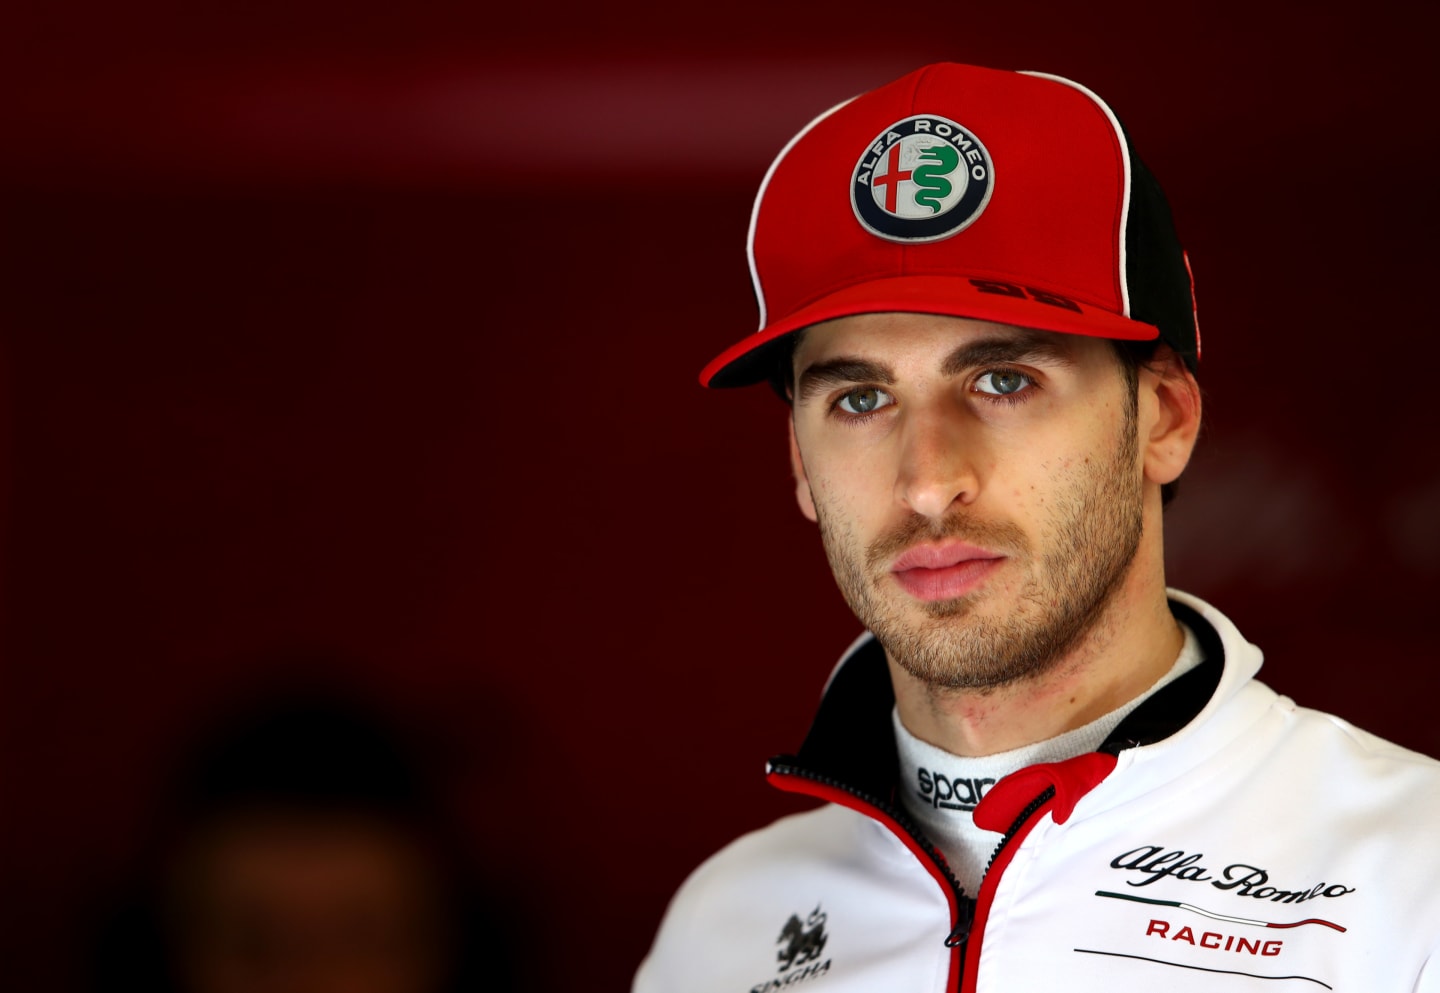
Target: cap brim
[{"x": 980, "y": 298}]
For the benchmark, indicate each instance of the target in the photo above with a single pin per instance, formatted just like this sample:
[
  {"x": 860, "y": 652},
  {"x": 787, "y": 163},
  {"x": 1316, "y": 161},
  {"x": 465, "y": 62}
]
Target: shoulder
[
  {"x": 1365, "y": 746},
  {"x": 1355, "y": 767},
  {"x": 1329, "y": 738}
]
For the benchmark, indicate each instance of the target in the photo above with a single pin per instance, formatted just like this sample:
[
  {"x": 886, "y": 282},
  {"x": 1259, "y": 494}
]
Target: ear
[
  {"x": 1169, "y": 417},
  {"x": 802, "y": 482}
]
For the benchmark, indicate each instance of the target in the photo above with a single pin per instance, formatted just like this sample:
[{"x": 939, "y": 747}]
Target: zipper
[
  {"x": 964, "y": 920},
  {"x": 961, "y": 932},
  {"x": 966, "y": 912},
  {"x": 990, "y": 882},
  {"x": 1030, "y": 811}
]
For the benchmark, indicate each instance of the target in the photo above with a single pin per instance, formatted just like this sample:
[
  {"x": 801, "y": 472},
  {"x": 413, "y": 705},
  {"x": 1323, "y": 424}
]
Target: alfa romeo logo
[{"x": 922, "y": 179}]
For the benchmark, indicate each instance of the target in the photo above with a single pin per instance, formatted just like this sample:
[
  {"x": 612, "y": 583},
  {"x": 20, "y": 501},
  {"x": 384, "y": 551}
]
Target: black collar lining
[{"x": 852, "y": 740}]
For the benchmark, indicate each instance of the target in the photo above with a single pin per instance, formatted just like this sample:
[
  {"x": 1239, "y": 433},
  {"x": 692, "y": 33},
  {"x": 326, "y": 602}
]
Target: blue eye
[
  {"x": 1002, "y": 382},
  {"x": 864, "y": 401}
]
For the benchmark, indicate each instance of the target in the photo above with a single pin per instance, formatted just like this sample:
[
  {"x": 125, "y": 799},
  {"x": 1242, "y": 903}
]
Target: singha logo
[{"x": 803, "y": 942}]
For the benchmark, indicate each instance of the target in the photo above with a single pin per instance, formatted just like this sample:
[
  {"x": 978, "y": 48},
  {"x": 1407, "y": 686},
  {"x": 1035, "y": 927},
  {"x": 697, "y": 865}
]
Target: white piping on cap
[
  {"x": 1125, "y": 157},
  {"x": 755, "y": 210}
]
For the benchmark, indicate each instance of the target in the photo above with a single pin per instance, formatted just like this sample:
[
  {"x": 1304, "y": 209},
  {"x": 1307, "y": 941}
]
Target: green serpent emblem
[{"x": 931, "y": 178}]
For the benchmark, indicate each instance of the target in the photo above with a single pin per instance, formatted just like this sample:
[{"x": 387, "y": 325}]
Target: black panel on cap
[{"x": 1155, "y": 270}]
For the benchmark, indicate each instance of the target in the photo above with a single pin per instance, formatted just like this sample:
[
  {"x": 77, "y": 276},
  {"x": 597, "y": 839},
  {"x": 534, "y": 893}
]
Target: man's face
[
  {"x": 298, "y": 902},
  {"x": 978, "y": 486}
]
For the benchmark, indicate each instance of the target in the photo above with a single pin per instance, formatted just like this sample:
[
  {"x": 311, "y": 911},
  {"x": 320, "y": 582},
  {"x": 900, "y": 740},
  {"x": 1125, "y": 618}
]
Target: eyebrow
[
  {"x": 1035, "y": 346},
  {"x": 1031, "y": 346},
  {"x": 821, "y": 376}
]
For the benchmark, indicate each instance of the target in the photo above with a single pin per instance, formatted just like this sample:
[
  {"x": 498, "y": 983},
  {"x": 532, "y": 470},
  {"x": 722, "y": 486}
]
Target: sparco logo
[
  {"x": 951, "y": 794},
  {"x": 799, "y": 954},
  {"x": 922, "y": 179}
]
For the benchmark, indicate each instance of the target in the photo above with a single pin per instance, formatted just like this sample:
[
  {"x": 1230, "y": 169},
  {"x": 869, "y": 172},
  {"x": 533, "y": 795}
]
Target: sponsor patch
[
  {"x": 922, "y": 179},
  {"x": 801, "y": 945},
  {"x": 1240, "y": 878}
]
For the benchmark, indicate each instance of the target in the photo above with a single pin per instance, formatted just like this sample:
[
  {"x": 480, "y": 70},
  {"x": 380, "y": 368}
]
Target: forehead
[{"x": 888, "y": 337}]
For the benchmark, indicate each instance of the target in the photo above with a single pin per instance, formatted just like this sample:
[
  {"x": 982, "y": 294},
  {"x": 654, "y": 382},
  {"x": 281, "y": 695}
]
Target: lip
[{"x": 945, "y": 571}]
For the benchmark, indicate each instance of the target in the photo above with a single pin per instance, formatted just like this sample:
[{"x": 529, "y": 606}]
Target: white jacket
[{"x": 1221, "y": 839}]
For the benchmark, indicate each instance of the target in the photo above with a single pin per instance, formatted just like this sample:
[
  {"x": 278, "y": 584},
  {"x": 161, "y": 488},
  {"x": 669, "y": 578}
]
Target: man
[
  {"x": 1042, "y": 770},
  {"x": 303, "y": 849}
]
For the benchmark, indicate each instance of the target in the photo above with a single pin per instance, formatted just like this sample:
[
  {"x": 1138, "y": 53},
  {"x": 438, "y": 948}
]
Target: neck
[{"x": 1131, "y": 645}]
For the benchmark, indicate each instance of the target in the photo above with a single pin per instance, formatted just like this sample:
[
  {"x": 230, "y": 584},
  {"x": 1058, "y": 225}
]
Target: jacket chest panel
[
  {"x": 1182, "y": 906},
  {"x": 872, "y": 923}
]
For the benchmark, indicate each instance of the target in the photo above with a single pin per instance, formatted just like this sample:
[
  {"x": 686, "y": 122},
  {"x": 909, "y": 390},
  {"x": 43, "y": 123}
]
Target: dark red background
[{"x": 374, "y": 329}]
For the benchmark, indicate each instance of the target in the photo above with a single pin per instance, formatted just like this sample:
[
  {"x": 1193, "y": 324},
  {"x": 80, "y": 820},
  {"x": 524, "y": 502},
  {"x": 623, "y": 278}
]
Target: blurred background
[{"x": 352, "y": 347}]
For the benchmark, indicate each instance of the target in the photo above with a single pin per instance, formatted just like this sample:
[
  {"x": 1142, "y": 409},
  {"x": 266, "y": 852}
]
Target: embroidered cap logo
[{"x": 922, "y": 179}]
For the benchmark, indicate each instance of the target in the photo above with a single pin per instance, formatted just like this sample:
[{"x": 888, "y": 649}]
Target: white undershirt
[{"x": 940, "y": 790}]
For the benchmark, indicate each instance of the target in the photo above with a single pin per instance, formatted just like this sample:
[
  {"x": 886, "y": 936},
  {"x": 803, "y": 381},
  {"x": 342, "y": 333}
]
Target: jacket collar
[{"x": 852, "y": 741}]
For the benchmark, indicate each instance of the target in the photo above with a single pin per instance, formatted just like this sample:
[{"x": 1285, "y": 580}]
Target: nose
[{"x": 938, "y": 462}]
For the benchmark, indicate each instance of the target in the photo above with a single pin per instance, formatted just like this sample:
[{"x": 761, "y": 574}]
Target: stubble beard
[{"x": 1091, "y": 537}]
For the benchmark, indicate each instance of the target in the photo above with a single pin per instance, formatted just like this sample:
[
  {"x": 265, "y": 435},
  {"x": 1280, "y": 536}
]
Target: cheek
[
  {"x": 834, "y": 491},
  {"x": 1037, "y": 491},
  {"x": 1033, "y": 481},
  {"x": 859, "y": 497}
]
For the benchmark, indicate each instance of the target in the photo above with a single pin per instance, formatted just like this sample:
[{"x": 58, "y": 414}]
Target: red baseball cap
[{"x": 1002, "y": 196}]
